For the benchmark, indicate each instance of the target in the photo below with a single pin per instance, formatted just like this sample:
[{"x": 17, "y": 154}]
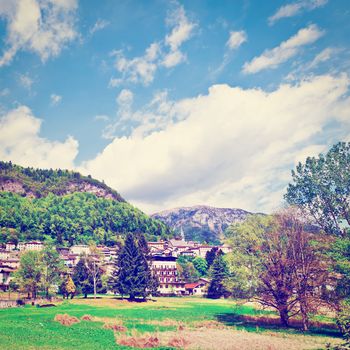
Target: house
[
  {"x": 4, "y": 254},
  {"x": 33, "y": 245},
  {"x": 5, "y": 275},
  {"x": 10, "y": 246},
  {"x": 79, "y": 249},
  {"x": 197, "y": 288},
  {"x": 164, "y": 268}
]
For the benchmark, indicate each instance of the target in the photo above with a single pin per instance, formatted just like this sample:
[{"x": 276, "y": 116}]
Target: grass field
[{"x": 167, "y": 323}]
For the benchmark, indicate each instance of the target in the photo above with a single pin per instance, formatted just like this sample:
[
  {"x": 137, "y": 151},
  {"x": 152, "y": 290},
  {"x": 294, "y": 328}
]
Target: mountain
[
  {"x": 201, "y": 223},
  {"x": 70, "y": 208},
  {"x": 36, "y": 183}
]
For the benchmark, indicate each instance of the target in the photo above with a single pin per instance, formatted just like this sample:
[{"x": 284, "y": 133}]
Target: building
[
  {"x": 5, "y": 275},
  {"x": 33, "y": 245},
  {"x": 197, "y": 288},
  {"x": 164, "y": 267},
  {"x": 10, "y": 246},
  {"x": 79, "y": 249}
]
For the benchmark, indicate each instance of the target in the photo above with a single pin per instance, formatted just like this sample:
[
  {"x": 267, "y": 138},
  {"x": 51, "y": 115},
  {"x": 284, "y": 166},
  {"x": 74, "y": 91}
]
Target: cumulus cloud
[
  {"x": 236, "y": 39},
  {"x": 55, "y": 99},
  {"x": 166, "y": 52},
  {"x": 43, "y": 27},
  {"x": 271, "y": 59},
  {"x": 231, "y": 147},
  {"x": 295, "y": 8},
  {"x": 21, "y": 142}
]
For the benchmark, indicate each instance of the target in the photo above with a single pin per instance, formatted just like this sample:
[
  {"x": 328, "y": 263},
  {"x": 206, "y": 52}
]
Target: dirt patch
[{"x": 228, "y": 339}]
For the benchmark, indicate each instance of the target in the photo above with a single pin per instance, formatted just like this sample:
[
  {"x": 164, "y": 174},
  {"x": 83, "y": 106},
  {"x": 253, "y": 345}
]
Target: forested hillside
[
  {"x": 73, "y": 218},
  {"x": 30, "y": 182},
  {"x": 68, "y": 207}
]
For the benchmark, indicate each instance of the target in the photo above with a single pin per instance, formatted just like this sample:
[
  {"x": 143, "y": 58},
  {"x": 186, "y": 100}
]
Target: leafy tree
[
  {"x": 68, "y": 287},
  {"x": 53, "y": 267},
  {"x": 279, "y": 263},
  {"x": 132, "y": 275},
  {"x": 321, "y": 188},
  {"x": 30, "y": 272},
  {"x": 218, "y": 273},
  {"x": 200, "y": 265}
]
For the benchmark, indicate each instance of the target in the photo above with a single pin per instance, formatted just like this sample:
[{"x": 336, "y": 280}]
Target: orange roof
[{"x": 191, "y": 285}]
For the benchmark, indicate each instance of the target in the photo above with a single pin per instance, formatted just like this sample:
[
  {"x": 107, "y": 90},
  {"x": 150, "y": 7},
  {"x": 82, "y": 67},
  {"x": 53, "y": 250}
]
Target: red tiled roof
[{"x": 191, "y": 285}]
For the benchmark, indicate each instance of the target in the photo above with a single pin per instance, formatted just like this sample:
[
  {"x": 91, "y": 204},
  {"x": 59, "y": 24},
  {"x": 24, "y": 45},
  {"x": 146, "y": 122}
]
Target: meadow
[{"x": 165, "y": 323}]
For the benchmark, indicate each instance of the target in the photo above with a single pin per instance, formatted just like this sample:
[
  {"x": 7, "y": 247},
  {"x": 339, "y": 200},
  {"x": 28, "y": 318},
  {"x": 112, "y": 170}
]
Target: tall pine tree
[
  {"x": 132, "y": 275},
  {"x": 218, "y": 273}
]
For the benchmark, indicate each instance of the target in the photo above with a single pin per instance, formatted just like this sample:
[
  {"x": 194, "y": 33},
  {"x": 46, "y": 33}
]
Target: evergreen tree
[
  {"x": 132, "y": 275},
  {"x": 81, "y": 277},
  {"x": 218, "y": 273},
  {"x": 210, "y": 256}
]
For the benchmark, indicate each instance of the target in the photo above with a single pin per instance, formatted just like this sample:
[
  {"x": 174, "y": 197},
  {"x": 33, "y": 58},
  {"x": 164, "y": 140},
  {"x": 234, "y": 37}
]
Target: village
[{"x": 163, "y": 262}]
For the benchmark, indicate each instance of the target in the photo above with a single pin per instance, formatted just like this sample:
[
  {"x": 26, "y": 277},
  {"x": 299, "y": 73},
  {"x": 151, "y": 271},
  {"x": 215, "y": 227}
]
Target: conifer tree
[
  {"x": 218, "y": 273},
  {"x": 132, "y": 275},
  {"x": 81, "y": 277}
]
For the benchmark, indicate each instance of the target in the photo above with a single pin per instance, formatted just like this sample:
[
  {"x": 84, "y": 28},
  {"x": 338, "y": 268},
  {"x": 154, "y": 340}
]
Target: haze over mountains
[{"x": 201, "y": 223}]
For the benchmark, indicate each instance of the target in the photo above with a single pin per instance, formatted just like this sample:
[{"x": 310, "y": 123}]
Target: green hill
[{"x": 37, "y": 204}]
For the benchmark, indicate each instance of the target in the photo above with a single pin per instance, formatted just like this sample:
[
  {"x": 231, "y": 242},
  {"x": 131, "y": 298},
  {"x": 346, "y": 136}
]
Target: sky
[{"x": 175, "y": 103}]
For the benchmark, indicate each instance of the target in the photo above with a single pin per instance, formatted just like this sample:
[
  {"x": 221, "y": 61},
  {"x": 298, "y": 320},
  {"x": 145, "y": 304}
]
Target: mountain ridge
[{"x": 201, "y": 222}]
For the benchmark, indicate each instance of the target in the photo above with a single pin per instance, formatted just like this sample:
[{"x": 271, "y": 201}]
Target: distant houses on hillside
[{"x": 164, "y": 255}]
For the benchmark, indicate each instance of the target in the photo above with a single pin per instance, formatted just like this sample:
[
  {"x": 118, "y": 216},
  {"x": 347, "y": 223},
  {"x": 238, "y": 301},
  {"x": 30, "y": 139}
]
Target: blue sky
[{"x": 175, "y": 103}]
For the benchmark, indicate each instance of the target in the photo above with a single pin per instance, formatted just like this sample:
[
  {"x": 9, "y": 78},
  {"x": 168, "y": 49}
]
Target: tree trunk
[
  {"x": 304, "y": 317},
  {"x": 94, "y": 288},
  {"x": 284, "y": 317}
]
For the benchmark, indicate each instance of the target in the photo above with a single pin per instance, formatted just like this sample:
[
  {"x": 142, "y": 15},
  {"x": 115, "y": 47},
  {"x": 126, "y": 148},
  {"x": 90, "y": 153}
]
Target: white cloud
[
  {"x": 236, "y": 39},
  {"x": 25, "y": 81},
  {"x": 323, "y": 56},
  {"x": 99, "y": 25},
  {"x": 21, "y": 143},
  {"x": 296, "y": 8},
  {"x": 55, "y": 99},
  {"x": 181, "y": 32},
  {"x": 43, "y": 27},
  {"x": 233, "y": 147},
  {"x": 166, "y": 52},
  {"x": 139, "y": 69},
  {"x": 271, "y": 59}
]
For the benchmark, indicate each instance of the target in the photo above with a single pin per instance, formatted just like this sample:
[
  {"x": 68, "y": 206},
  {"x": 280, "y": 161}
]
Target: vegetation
[
  {"x": 41, "y": 182},
  {"x": 212, "y": 324},
  {"x": 73, "y": 219},
  {"x": 218, "y": 273},
  {"x": 132, "y": 274},
  {"x": 321, "y": 189}
]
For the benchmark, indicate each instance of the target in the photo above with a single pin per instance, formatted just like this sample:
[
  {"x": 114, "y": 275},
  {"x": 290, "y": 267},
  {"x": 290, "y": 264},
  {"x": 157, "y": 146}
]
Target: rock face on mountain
[
  {"x": 201, "y": 223},
  {"x": 37, "y": 183}
]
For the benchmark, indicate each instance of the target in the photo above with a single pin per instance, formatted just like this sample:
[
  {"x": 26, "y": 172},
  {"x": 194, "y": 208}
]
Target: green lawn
[{"x": 35, "y": 328}]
